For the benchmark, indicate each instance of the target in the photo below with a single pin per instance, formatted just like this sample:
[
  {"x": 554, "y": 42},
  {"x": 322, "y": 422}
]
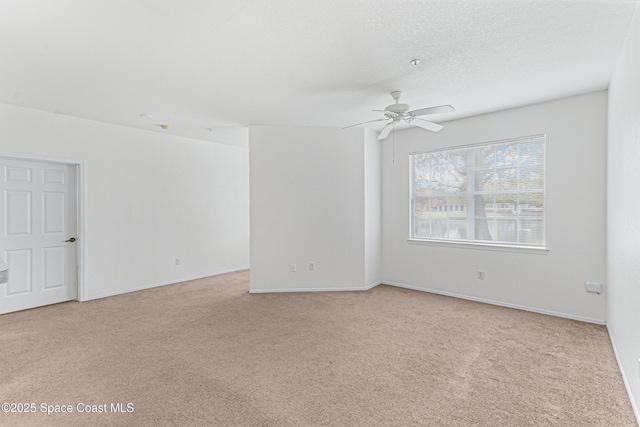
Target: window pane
[
  {"x": 485, "y": 205},
  {"x": 484, "y": 228},
  {"x": 532, "y": 205},
  {"x": 531, "y": 178},
  {"x": 439, "y": 229},
  {"x": 421, "y": 207},
  {"x": 421, "y": 227},
  {"x": 437, "y": 206},
  {"x": 531, "y": 231},
  {"x": 506, "y": 179},
  {"x": 483, "y": 157},
  {"x": 457, "y": 202},
  {"x": 458, "y": 229},
  {"x": 506, "y": 230},
  {"x": 531, "y": 153}
]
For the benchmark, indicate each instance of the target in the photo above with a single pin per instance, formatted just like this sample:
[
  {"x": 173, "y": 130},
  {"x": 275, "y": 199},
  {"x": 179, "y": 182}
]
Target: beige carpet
[{"x": 208, "y": 353}]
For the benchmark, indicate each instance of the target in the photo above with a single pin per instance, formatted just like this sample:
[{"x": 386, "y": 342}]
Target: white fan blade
[
  {"x": 433, "y": 110},
  {"x": 425, "y": 124},
  {"x": 370, "y": 121},
  {"x": 385, "y": 131}
]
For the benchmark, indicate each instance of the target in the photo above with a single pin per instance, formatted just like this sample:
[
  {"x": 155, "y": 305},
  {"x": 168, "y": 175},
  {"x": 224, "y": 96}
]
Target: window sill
[{"x": 481, "y": 246}]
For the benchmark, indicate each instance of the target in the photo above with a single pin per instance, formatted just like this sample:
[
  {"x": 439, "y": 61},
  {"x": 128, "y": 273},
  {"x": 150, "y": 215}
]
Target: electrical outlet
[
  {"x": 293, "y": 268},
  {"x": 312, "y": 266},
  {"x": 178, "y": 261},
  {"x": 593, "y": 287},
  {"x": 480, "y": 274}
]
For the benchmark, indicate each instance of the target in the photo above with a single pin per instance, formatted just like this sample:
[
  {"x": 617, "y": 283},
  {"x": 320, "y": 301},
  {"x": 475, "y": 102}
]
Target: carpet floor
[{"x": 208, "y": 353}]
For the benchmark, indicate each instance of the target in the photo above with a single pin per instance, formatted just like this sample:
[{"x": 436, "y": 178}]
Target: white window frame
[{"x": 483, "y": 244}]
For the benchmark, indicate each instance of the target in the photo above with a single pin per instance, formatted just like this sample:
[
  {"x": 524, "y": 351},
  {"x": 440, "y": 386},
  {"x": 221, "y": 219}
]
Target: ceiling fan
[{"x": 402, "y": 113}]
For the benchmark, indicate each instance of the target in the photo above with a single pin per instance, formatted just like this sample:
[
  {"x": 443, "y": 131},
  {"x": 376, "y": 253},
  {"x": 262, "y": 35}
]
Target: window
[{"x": 486, "y": 193}]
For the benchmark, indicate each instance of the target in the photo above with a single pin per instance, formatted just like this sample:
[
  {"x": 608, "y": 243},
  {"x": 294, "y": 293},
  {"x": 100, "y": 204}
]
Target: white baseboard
[
  {"x": 157, "y": 285},
  {"x": 373, "y": 285},
  {"x": 500, "y": 303},
  {"x": 624, "y": 377},
  {"x": 353, "y": 288}
]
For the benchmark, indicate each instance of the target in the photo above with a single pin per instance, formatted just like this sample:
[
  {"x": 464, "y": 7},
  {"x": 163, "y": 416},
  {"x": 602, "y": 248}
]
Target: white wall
[
  {"x": 372, "y": 208},
  {"x": 308, "y": 205},
  {"x": 150, "y": 198},
  {"x": 549, "y": 282},
  {"x": 623, "y": 204}
]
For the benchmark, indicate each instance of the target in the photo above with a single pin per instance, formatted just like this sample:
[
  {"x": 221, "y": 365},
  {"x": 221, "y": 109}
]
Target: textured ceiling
[{"x": 200, "y": 64}]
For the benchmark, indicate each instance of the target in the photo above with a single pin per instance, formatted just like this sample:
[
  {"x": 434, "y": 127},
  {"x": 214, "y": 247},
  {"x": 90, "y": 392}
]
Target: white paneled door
[{"x": 38, "y": 216}]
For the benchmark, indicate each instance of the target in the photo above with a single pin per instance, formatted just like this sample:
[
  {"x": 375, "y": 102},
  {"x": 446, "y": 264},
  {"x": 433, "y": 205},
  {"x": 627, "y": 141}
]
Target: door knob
[{"x": 73, "y": 239}]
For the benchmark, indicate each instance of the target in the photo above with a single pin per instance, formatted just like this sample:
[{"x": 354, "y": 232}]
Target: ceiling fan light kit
[{"x": 402, "y": 113}]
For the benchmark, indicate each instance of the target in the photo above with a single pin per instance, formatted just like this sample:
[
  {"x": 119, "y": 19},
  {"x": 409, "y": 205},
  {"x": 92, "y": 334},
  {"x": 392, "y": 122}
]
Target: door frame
[{"x": 81, "y": 214}]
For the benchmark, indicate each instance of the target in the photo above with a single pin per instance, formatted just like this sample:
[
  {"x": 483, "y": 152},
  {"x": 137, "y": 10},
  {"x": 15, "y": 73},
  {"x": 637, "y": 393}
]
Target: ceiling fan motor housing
[
  {"x": 398, "y": 108},
  {"x": 397, "y": 111}
]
